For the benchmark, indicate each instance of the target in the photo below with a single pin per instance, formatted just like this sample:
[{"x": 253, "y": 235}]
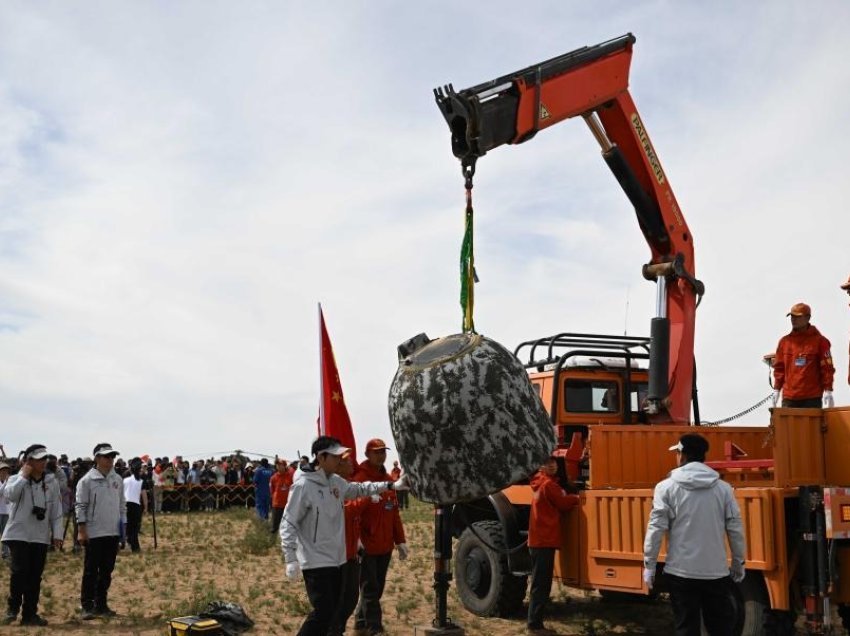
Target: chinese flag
[{"x": 333, "y": 415}]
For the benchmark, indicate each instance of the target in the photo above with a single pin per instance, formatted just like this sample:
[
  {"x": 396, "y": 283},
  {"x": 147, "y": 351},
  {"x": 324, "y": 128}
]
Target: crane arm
[{"x": 592, "y": 82}]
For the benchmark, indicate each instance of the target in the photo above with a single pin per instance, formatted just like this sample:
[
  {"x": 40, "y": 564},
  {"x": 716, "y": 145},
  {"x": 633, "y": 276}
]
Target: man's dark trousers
[
  {"x": 542, "y": 565},
  {"x": 805, "y": 403},
  {"x": 323, "y": 591},
  {"x": 349, "y": 593},
  {"x": 26, "y": 565},
  {"x": 134, "y": 524},
  {"x": 697, "y": 601},
  {"x": 277, "y": 515},
  {"x": 373, "y": 577},
  {"x": 97, "y": 572}
]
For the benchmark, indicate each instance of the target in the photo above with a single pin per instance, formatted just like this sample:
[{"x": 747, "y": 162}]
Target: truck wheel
[
  {"x": 485, "y": 585},
  {"x": 844, "y": 613},
  {"x": 749, "y": 602},
  {"x": 779, "y": 623}
]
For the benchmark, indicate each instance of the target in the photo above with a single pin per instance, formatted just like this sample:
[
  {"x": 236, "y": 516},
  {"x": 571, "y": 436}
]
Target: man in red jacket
[
  {"x": 802, "y": 370},
  {"x": 279, "y": 484},
  {"x": 380, "y": 530},
  {"x": 350, "y": 586},
  {"x": 548, "y": 502}
]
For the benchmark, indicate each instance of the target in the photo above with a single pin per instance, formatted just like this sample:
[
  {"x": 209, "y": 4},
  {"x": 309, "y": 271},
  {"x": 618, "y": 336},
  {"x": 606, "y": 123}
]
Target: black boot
[{"x": 35, "y": 619}]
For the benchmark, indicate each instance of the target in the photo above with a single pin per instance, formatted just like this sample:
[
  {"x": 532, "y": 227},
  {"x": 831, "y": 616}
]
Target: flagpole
[{"x": 321, "y": 378}]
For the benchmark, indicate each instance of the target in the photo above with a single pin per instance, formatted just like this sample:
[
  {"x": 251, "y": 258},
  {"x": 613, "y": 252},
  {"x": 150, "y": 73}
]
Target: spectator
[
  {"x": 169, "y": 481},
  {"x": 137, "y": 503},
  {"x": 280, "y": 483},
  {"x": 98, "y": 527},
  {"x": 396, "y": 473},
  {"x": 380, "y": 530},
  {"x": 208, "y": 478},
  {"x": 262, "y": 492},
  {"x": 35, "y": 510},
  {"x": 156, "y": 490},
  {"x": 4, "y": 507},
  {"x": 232, "y": 475},
  {"x": 53, "y": 471}
]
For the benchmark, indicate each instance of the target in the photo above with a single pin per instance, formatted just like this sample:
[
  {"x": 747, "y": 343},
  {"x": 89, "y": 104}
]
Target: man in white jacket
[
  {"x": 35, "y": 513},
  {"x": 312, "y": 533},
  {"x": 698, "y": 511},
  {"x": 101, "y": 510}
]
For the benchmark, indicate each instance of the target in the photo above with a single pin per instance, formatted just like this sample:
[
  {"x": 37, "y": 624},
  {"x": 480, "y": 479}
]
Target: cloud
[{"x": 180, "y": 185}]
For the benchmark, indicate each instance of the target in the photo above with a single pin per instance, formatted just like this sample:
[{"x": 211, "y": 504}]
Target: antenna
[{"x": 626, "y": 319}]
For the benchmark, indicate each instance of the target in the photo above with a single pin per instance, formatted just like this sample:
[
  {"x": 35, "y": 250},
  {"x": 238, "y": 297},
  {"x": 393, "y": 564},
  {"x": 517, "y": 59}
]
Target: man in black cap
[
  {"x": 101, "y": 509},
  {"x": 697, "y": 511}
]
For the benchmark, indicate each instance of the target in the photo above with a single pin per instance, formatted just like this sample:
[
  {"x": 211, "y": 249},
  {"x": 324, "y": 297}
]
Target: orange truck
[{"x": 617, "y": 402}]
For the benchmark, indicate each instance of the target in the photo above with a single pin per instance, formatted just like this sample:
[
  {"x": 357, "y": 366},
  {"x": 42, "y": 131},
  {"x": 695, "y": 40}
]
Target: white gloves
[
  {"x": 828, "y": 400},
  {"x": 649, "y": 577},
  {"x": 403, "y": 551},
  {"x": 737, "y": 571},
  {"x": 401, "y": 483},
  {"x": 775, "y": 398},
  {"x": 293, "y": 571}
]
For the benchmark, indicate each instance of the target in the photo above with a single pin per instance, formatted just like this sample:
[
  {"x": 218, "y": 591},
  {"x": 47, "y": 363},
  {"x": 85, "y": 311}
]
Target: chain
[{"x": 741, "y": 414}]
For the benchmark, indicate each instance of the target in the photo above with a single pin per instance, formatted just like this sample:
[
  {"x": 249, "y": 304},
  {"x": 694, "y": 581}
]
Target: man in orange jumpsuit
[
  {"x": 279, "y": 484},
  {"x": 802, "y": 370},
  {"x": 548, "y": 502},
  {"x": 380, "y": 530},
  {"x": 846, "y": 287}
]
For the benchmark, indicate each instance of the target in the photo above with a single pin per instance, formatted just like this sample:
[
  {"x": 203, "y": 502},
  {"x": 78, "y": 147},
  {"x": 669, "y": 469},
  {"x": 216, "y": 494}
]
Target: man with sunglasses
[{"x": 35, "y": 514}]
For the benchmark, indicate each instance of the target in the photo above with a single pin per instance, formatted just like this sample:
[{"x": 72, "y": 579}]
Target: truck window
[
  {"x": 638, "y": 395},
  {"x": 591, "y": 396}
]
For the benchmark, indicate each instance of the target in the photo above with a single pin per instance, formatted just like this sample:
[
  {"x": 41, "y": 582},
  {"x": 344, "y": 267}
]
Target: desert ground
[{"x": 228, "y": 555}]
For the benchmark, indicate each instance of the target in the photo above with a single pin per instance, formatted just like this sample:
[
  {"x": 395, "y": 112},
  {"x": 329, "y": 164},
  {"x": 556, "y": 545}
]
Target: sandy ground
[{"x": 226, "y": 556}]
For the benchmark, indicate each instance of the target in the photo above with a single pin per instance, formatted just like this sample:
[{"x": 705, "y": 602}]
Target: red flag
[{"x": 333, "y": 414}]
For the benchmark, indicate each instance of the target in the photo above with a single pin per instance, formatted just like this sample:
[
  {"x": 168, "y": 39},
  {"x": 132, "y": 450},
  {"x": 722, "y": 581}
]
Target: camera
[{"x": 39, "y": 512}]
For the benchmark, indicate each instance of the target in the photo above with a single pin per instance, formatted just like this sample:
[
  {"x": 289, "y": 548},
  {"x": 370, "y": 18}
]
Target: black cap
[{"x": 691, "y": 445}]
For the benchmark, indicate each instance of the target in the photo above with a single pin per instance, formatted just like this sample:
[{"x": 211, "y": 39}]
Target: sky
[{"x": 182, "y": 183}]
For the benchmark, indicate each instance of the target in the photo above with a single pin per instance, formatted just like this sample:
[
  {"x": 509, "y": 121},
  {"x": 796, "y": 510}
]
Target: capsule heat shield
[{"x": 466, "y": 419}]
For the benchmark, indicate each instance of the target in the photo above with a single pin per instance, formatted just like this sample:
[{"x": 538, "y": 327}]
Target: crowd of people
[{"x": 100, "y": 502}]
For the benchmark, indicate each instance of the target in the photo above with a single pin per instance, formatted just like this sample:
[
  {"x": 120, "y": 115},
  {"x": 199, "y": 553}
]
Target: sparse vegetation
[{"x": 232, "y": 556}]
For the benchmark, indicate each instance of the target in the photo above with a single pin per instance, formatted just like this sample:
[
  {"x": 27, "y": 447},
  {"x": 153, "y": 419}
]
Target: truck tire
[
  {"x": 844, "y": 614},
  {"x": 484, "y": 582},
  {"x": 779, "y": 623},
  {"x": 749, "y": 600}
]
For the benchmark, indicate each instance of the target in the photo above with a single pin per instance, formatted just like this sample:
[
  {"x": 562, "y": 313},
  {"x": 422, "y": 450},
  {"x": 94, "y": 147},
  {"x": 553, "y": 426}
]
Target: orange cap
[
  {"x": 847, "y": 284},
  {"x": 376, "y": 444},
  {"x": 800, "y": 309}
]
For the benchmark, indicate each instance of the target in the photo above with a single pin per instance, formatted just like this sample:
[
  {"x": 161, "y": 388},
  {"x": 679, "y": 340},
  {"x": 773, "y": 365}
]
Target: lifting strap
[{"x": 468, "y": 277}]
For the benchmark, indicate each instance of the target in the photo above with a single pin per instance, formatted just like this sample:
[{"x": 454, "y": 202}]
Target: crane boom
[{"x": 592, "y": 82}]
